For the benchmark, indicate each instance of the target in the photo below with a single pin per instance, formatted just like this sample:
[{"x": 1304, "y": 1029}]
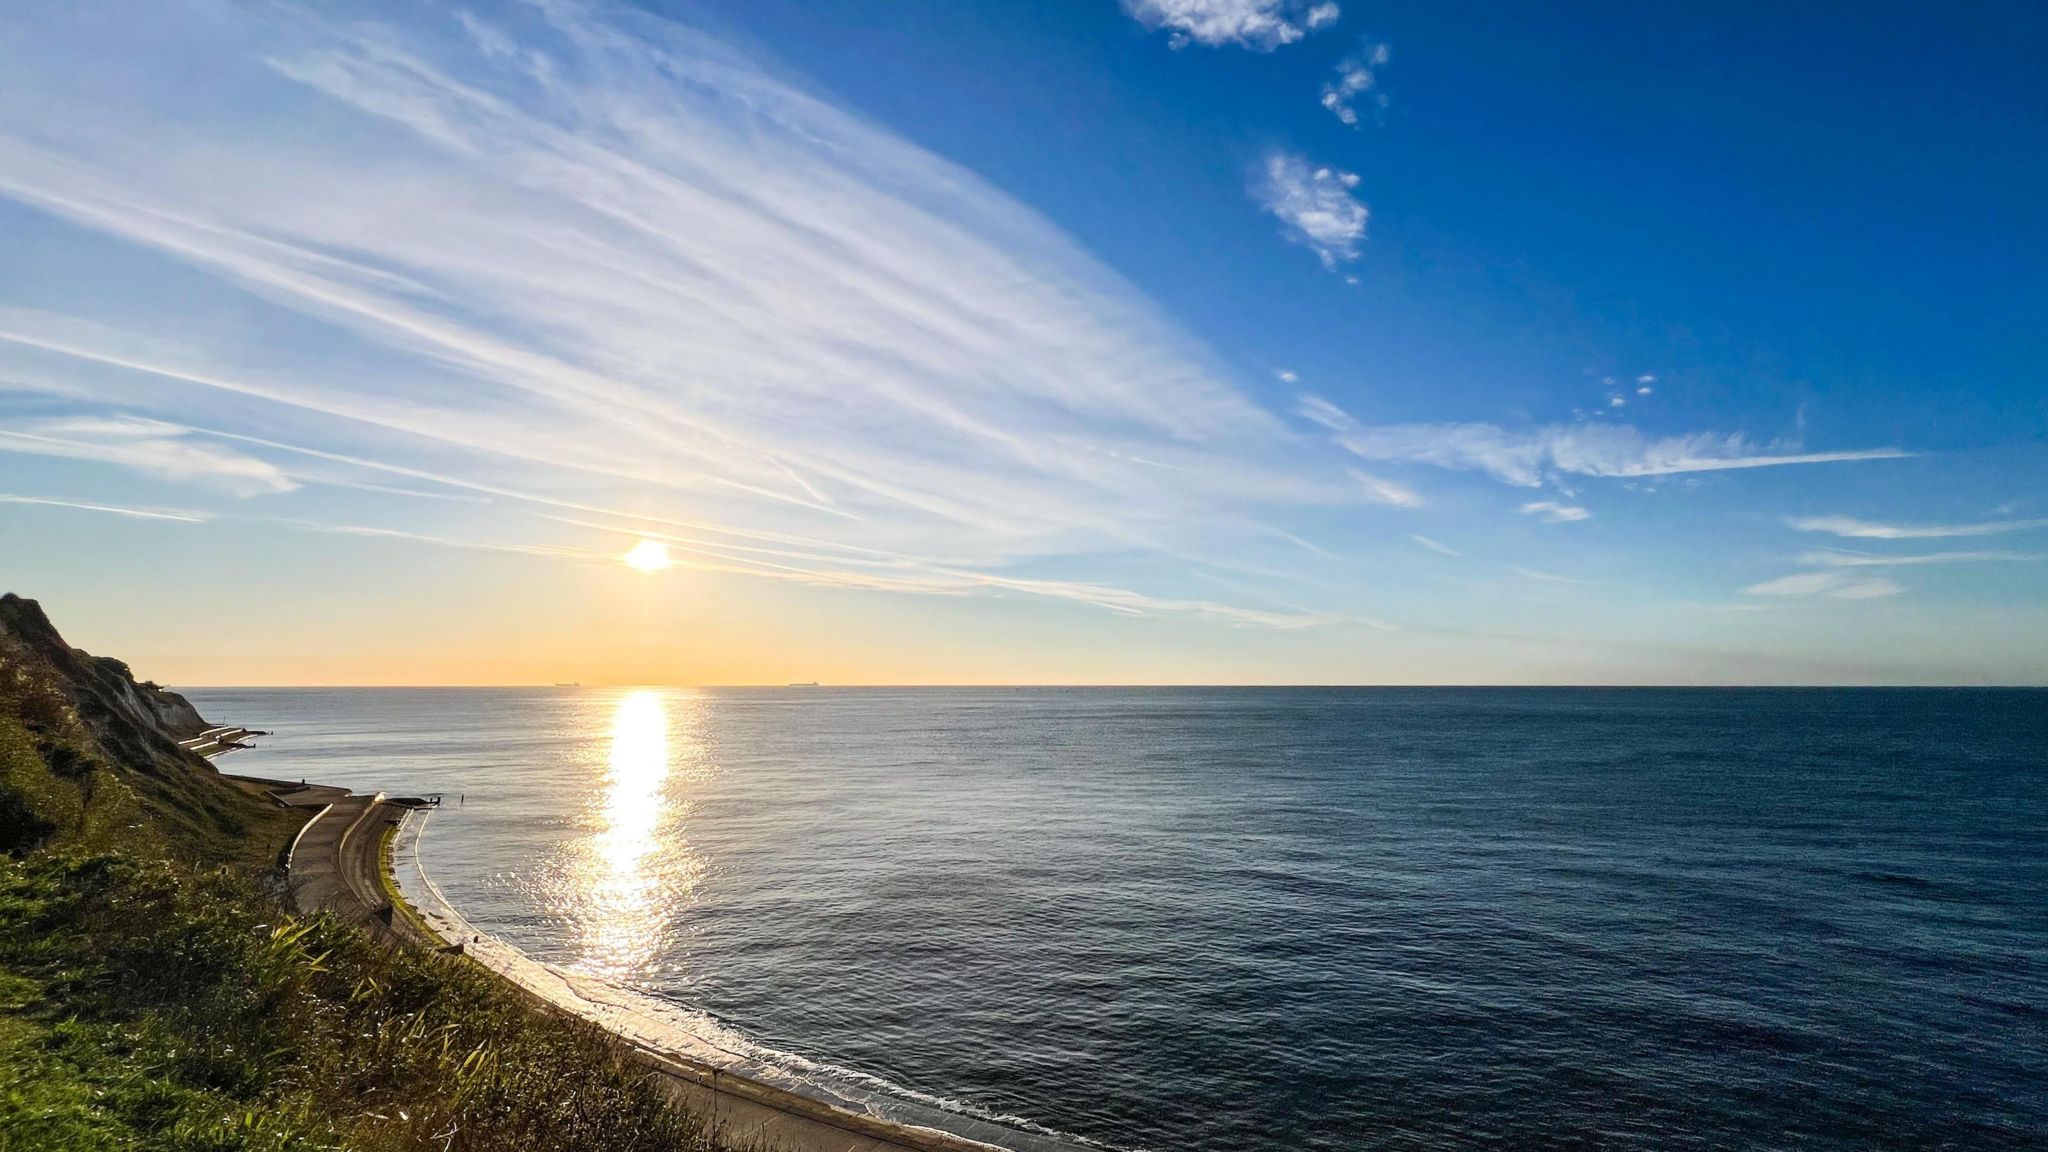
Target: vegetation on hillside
[
  {"x": 155, "y": 995},
  {"x": 89, "y": 760}
]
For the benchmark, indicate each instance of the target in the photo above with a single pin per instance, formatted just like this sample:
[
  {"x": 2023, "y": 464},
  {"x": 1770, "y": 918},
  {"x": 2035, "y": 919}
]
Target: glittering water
[{"x": 1245, "y": 919}]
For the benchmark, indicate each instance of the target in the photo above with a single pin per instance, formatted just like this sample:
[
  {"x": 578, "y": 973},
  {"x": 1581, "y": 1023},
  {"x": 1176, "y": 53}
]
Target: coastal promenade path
[{"x": 335, "y": 865}]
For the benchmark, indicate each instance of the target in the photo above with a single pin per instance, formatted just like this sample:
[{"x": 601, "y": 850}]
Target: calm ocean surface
[{"x": 1266, "y": 919}]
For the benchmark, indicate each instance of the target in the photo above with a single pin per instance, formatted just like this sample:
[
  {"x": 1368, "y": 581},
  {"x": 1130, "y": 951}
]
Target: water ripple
[{"x": 1252, "y": 919}]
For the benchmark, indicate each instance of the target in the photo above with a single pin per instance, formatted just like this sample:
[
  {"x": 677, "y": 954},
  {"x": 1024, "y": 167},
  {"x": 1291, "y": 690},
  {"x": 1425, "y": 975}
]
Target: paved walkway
[{"x": 334, "y": 865}]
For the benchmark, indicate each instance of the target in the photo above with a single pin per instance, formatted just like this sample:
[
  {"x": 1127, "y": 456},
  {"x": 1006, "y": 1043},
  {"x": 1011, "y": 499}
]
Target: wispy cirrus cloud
[
  {"x": 1833, "y": 585},
  {"x": 1314, "y": 408},
  {"x": 1832, "y": 558},
  {"x": 181, "y": 517},
  {"x": 579, "y": 256},
  {"x": 1262, "y": 25},
  {"x": 151, "y": 446},
  {"x": 1384, "y": 491},
  {"x": 1526, "y": 457},
  {"x": 1434, "y": 545},
  {"x": 1842, "y": 575},
  {"x": 1356, "y": 76},
  {"x": 1849, "y": 526},
  {"x": 1554, "y": 512},
  {"x": 373, "y": 532},
  {"x": 1541, "y": 576},
  {"x": 1317, "y": 206},
  {"x": 877, "y": 571}
]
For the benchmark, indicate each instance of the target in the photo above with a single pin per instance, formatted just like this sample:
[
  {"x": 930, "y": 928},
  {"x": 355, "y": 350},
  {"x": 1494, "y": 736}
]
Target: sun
[{"x": 648, "y": 556}]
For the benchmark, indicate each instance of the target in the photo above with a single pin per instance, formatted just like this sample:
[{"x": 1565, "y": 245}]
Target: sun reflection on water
[{"x": 637, "y": 867}]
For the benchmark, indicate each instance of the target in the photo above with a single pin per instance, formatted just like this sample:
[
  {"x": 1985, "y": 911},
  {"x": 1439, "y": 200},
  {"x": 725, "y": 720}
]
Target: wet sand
[{"x": 746, "y": 1101}]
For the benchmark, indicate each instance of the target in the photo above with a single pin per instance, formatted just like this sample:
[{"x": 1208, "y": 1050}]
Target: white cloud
[
  {"x": 1552, "y": 512},
  {"x": 1546, "y": 577},
  {"x": 1321, "y": 411},
  {"x": 1386, "y": 491},
  {"x": 1316, "y": 205},
  {"x": 151, "y": 446},
  {"x": 1259, "y": 24},
  {"x": 606, "y": 558},
  {"x": 110, "y": 509},
  {"x": 1834, "y": 585},
  {"x": 1867, "y": 590},
  {"x": 607, "y": 263},
  {"x": 1798, "y": 584},
  {"x": 1433, "y": 545},
  {"x": 1286, "y": 375},
  {"x": 880, "y": 573},
  {"x": 1869, "y": 530},
  {"x": 491, "y": 40},
  {"x": 1526, "y": 457},
  {"x": 1830, "y": 558},
  {"x": 1356, "y": 76}
]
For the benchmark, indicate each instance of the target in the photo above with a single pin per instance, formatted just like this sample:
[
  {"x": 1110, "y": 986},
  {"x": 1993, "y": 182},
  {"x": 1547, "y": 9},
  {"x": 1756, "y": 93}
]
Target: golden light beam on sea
[{"x": 637, "y": 867}]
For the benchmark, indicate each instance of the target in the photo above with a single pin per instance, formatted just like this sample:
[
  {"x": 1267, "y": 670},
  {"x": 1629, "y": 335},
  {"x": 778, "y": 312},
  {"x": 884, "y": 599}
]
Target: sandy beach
[{"x": 338, "y": 865}]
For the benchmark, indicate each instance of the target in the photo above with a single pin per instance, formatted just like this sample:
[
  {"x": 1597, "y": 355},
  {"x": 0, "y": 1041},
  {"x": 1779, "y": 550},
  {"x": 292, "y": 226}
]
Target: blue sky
[{"x": 1169, "y": 340}]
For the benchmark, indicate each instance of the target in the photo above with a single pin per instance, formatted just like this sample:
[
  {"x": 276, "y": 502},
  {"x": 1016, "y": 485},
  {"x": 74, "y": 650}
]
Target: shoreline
[{"x": 747, "y": 1101}]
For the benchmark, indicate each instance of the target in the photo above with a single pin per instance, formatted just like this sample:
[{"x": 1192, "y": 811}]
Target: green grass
[
  {"x": 156, "y": 996},
  {"x": 400, "y": 906},
  {"x": 152, "y": 1006},
  {"x": 59, "y": 786}
]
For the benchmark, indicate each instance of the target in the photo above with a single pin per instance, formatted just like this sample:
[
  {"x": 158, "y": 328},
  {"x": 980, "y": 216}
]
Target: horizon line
[{"x": 1293, "y": 685}]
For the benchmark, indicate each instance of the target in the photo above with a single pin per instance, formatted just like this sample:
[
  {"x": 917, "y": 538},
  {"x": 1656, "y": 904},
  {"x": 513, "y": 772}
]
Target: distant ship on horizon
[{"x": 803, "y": 684}]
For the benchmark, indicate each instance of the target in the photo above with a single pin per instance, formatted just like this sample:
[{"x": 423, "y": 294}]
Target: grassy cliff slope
[
  {"x": 155, "y": 995},
  {"x": 89, "y": 758}
]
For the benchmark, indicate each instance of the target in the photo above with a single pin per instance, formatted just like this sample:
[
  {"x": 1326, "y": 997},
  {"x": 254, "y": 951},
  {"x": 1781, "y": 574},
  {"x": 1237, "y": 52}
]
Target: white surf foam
[{"x": 668, "y": 1028}]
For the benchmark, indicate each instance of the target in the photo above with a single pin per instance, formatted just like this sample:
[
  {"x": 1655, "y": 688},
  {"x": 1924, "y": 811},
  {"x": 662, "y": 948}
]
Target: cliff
[
  {"x": 91, "y": 753},
  {"x": 154, "y": 993},
  {"x": 126, "y": 715}
]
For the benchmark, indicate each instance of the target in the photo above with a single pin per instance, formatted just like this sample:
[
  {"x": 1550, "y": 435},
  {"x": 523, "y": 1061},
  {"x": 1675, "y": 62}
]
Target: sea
[{"x": 1248, "y": 919}]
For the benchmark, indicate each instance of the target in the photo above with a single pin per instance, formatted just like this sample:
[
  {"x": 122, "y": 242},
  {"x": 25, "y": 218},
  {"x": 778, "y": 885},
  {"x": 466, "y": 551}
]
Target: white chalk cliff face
[{"x": 137, "y": 724}]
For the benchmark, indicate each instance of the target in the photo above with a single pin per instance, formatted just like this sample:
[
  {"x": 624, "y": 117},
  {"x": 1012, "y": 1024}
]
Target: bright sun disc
[{"x": 648, "y": 556}]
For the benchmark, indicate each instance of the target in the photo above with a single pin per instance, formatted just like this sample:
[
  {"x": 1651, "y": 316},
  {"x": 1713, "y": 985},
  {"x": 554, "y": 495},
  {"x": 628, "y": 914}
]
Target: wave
[{"x": 671, "y": 1028}]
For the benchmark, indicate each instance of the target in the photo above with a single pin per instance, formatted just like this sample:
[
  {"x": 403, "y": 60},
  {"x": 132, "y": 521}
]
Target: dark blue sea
[{"x": 1279, "y": 918}]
